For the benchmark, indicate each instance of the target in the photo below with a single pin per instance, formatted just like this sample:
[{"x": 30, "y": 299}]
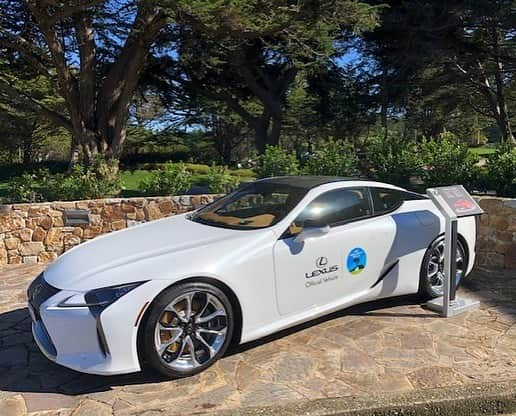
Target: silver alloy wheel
[
  {"x": 191, "y": 330},
  {"x": 435, "y": 270}
]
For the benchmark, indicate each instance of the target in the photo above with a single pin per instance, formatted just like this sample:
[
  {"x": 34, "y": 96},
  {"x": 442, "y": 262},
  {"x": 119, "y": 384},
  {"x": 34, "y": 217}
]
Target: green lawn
[
  {"x": 482, "y": 151},
  {"x": 132, "y": 179}
]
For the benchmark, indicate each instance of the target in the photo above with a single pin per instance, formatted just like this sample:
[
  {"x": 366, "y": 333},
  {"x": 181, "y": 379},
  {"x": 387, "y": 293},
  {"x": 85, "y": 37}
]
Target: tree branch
[
  {"x": 35, "y": 105},
  {"x": 36, "y": 59},
  {"x": 88, "y": 61}
]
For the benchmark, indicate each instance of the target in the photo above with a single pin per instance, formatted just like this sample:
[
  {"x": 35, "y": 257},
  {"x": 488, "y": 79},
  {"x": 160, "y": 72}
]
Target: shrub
[
  {"x": 244, "y": 173},
  {"x": 447, "y": 161},
  {"x": 276, "y": 162},
  {"x": 26, "y": 187},
  {"x": 501, "y": 171},
  {"x": 393, "y": 160},
  {"x": 197, "y": 169},
  {"x": 99, "y": 180},
  {"x": 220, "y": 180},
  {"x": 334, "y": 158},
  {"x": 172, "y": 179}
]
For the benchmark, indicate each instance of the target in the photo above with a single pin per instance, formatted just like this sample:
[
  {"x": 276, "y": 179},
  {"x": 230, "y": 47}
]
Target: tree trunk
[
  {"x": 75, "y": 154},
  {"x": 384, "y": 102},
  {"x": 261, "y": 130},
  {"x": 274, "y": 136},
  {"x": 503, "y": 118}
]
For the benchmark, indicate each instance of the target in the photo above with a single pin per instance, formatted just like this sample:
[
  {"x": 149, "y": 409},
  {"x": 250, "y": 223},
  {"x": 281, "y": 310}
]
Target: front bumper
[{"x": 75, "y": 338}]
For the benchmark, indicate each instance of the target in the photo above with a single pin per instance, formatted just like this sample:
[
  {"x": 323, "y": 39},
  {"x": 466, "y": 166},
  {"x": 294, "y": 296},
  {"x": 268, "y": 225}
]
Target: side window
[
  {"x": 336, "y": 207},
  {"x": 386, "y": 200}
]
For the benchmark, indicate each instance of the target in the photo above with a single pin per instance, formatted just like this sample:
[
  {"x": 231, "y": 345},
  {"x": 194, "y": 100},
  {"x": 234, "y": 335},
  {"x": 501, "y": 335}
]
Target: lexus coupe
[{"x": 173, "y": 294}]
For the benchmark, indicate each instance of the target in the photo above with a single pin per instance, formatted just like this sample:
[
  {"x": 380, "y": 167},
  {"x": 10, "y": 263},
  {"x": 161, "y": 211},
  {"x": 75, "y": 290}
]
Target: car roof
[{"x": 305, "y": 182}]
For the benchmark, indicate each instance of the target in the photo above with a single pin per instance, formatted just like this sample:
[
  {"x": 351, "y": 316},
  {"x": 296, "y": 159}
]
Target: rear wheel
[
  {"x": 432, "y": 269},
  {"x": 188, "y": 328}
]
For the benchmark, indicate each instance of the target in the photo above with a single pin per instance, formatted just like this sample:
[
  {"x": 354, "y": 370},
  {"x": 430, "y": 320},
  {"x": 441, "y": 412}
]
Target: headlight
[{"x": 99, "y": 299}]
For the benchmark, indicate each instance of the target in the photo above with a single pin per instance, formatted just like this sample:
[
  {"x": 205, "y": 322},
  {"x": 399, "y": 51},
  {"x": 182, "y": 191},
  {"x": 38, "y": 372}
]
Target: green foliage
[
  {"x": 501, "y": 171},
  {"x": 276, "y": 162},
  {"x": 220, "y": 180},
  {"x": 334, "y": 158},
  {"x": 244, "y": 173},
  {"x": 393, "y": 160},
  {"x": 99, "y": 180},
  {"x": 197, "y": 168},
  {"x": 447, "y": 161},
  {"x": 173, "y": 179},
  {"x": 26, "y": 188}
]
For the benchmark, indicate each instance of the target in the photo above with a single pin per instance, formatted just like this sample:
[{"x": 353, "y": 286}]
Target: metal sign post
[{"x": 453, "y": 202}]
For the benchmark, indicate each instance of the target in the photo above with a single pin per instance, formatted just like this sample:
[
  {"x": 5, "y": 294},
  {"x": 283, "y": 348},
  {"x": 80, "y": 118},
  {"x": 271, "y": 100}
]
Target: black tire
[
  {"x": 426, "y": 290},
  {"x": 148, "y": 333}
]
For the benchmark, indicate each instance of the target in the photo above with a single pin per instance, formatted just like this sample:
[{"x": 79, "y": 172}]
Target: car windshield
[{"x": 256, "y": 205}]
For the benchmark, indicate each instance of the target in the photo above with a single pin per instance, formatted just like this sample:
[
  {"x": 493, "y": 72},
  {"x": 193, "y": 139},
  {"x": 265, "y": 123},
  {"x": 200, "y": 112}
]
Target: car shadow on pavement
[{"x": 23, "y": 368}]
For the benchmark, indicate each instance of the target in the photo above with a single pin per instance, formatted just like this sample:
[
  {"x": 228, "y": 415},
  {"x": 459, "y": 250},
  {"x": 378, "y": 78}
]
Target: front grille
[{"x": 38, "y": 292}]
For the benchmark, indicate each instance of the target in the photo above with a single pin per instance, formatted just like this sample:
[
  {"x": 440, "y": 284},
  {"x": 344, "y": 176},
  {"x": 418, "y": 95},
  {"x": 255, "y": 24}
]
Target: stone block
[
  {"x": 46, "y": 222},
  {"x": 128, "y": 208},
  {"x": 3, "y": 256},
  {"x": 82, "y": 204},
  {"x": 71, "y": 240},
  {"x": 140, "y": 214},
  {"x": 491, "y": 259},
  {"x": 91, "y": 232},
  {"x": 499, "y": 222},
  {"x": 47, "y": 257},
  {"x": 30, "y": 260},
  {"x": 39, "y": 234},
  {"x": 118, "y": 225},
  {"x": 31, "y": 248},
  {"x": 166, "y": 207},
  {"x": 60, "y": 205},
  {"x": 510, "y": 257},
  {"x": 14, "y": 259},
  {"x": 38, "y": 210},
  {"x": 12, "y": 243},
  {"x": 54, "y": 238},
  {"x": 11, "y": 223},
  {"x": 510, "y": 203},
  {"x": 95, "y": 219},
  {"x": 490, "y": 204},
  {"x": 506, "y": 236},
  {"x": 112, "y": 212},
  {"x": 152, "y": 212},
  {"x": 25, "y": 234}
]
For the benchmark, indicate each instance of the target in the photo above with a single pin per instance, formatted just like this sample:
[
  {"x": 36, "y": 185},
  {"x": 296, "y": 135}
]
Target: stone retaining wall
[
  {"x": 36, "y": 233},
  {"x": 496, "y": 241}
]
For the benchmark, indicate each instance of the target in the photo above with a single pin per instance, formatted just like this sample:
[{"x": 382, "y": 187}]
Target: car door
[{"x": 341, "y": 264}]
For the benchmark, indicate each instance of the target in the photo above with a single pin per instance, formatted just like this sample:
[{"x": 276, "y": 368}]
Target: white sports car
[{"x": 175, "y": 293}]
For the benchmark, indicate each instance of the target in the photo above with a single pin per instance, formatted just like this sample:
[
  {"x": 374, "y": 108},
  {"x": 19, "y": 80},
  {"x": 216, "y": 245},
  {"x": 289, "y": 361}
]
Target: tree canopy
[{"x": 245, "y": 74}]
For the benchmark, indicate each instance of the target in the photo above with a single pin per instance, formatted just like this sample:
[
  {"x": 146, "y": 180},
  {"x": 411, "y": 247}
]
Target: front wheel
[
  {"x": 431, "y": 283},
  {"x": 188, "y": 328}
]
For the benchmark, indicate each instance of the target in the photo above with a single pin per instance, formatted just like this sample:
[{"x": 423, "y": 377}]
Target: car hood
[{"x": 131, "y": 245}]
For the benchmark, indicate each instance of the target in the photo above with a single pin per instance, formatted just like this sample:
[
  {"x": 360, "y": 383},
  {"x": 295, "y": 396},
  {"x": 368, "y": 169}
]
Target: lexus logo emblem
[{"x": 321, "y": 262}]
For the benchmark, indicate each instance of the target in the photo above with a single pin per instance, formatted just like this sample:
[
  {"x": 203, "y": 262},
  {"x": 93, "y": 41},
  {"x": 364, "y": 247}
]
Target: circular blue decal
[{"x": 357, "y": 260}]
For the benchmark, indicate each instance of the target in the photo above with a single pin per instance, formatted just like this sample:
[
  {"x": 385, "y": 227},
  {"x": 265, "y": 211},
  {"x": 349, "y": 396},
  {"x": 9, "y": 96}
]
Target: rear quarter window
[{"x": 388, "y": 200}]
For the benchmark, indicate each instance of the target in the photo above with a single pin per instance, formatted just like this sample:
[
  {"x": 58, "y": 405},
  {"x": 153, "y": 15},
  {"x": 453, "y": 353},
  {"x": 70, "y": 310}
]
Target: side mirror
[{"x": 312, "y": 229}]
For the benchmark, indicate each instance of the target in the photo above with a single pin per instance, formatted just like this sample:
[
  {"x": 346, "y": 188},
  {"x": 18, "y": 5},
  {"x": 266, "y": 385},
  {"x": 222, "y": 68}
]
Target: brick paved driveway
[{"x": 388, "y": 346}]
